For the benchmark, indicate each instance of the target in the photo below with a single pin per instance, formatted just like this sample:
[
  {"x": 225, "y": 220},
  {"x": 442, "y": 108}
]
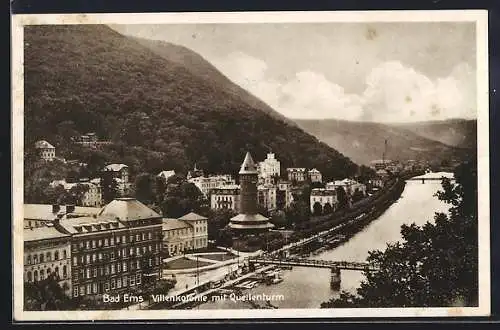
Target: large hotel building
[{"x": 108, "y": 249}]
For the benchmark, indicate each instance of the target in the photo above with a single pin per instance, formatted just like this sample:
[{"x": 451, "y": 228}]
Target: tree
[
  {"x": 76, "y": 193},
  {"x": 45, "y": 295},
  {"x": 357, "y": 195},
  {"x": 342, "y": 198},
  {"x": 317, "y": 209},
  {"x": 160, "y": 188},
  {"x": 109, "y": 186},
  {"x": 144, "y": 188},
  {"x": 327, "y": 209},
  {"x": 181, "y": 199},
  {"x": 435, "y": 265}
]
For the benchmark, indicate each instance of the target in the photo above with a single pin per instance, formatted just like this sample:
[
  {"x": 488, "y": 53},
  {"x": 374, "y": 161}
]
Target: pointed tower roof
[{"x": 248, "y": 166}]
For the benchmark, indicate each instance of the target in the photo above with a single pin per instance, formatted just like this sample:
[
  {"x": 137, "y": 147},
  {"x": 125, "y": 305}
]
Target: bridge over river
[
  {"x": 433, "y": 176},
  {"x": 300, "y": 262}
]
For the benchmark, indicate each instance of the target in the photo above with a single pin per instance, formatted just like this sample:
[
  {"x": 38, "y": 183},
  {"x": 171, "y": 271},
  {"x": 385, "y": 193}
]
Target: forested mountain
[
  {"x": 159, "y": 113},
  {"x": 365, "y": 141},
  {"x": 454, "y": 132},
  {"x": 200, "y": 67}
]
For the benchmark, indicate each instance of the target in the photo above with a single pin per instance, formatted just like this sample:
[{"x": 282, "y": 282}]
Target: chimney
[
  {"x": 70, "y": 208},
  {"x": 55, "y": 208}
]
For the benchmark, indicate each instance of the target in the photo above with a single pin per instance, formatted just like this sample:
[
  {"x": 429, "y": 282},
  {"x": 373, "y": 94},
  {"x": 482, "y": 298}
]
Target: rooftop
[
  {"x": 43, "y": 144},
  {"x": 191, "y": 216},
  {"x": 44, "y": 211},
  {"x": 90, "y": 224},
  {"x": 126, "y": 209},
  {"x": 171, "y": 224},
  {"x": 41, "y": 233},
  {"x": 115, "y": 167},
  {"x": 248, "y": 166}
]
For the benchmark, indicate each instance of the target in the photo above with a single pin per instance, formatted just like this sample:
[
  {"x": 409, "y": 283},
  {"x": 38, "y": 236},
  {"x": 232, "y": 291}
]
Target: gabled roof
[
  {"x": 126, "y": 209},
  {"x": 171, "y": 224},
  {"x": 43, "y": 144},
  {"x": 115, "y": 167},
  {"x": 192, "y": 217},
  {"x": 166, "y": 174},
  {"x": 248, "y": 166},
  {"x": 314, "y": 171}
]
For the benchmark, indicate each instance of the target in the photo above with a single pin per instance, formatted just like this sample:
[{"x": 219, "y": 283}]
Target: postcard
[{"x": 250, "y": 165}]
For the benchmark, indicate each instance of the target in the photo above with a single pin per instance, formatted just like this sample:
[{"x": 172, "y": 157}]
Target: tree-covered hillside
[{"x": 158, "y": 113}]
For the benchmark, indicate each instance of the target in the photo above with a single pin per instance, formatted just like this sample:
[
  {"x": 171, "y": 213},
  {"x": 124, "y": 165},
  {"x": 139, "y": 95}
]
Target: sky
[{"x": 382, "y": 72}]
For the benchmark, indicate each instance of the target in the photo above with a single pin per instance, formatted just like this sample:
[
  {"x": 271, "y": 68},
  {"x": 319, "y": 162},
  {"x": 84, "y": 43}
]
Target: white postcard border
[{"x": 478, "y": 16}]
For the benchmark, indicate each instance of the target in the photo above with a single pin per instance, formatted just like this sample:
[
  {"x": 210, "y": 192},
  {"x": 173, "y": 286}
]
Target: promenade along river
[{"x": 309, "y": 287}]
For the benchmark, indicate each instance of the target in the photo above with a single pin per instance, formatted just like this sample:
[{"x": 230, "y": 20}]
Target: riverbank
[{"x": 308, "y": 287}]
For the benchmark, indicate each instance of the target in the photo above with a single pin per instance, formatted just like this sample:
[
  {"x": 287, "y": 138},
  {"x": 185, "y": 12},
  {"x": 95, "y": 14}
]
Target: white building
[
  {"x": 46, "y": 150},
  {"x": 225, "y": 197},
  {"x": 189, "y": 232},
  {"x": 266, "y": 196},
  {"x": 315, "y": 175},
  {"x": 323, "y": 197},
  {"x": 284, "y": 196},
  {"x": 350, "y": 186},
  {"x": 206, "y": 184},
  {"x": 92, "y": 197},
  {"x": 297, "y": 174},
  {"x": 166, "y": 174},
  {"x": 47, "y": 252},
  {"x": 269, "y": 168}
]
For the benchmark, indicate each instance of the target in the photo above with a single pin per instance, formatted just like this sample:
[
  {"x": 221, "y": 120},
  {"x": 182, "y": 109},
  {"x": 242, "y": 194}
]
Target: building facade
[
  {"x": 187, "y": 233},
  {"x": 206, "y": 184},
  {"x": 266, "y": 196},
  {"x": 296, "y": 174},
  {"x": 350, "y": 186},
  {"x": 47, "y": 252},
  {"x": 269, "y": 168},
  {"x": 114, "y": 250},
  {"x": 315, "y": 175},
  {"x": 226, "y": 197},
  {"x": 327, "y": 199},
  {"x": 91, "y": 197},
  {"x": 46, "y": 151}
]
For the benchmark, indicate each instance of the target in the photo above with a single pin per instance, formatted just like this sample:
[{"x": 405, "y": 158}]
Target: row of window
[
  {"x": 33, "y": 259},
  {"x": 114, "y": 283},
  {"x": 115, "y": 268},
  {"x": 97, "y": 243},
  {"x": 197, "y": 243},
  {"x": 116, "y": 254},
  {"x": 39, "y": 276},
  {"x": 185, "y": 231}
]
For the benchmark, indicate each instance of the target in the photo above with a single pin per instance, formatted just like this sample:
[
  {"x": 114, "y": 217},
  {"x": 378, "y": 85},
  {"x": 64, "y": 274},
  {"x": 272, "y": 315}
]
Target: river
[{"x": 309, "y": 287}]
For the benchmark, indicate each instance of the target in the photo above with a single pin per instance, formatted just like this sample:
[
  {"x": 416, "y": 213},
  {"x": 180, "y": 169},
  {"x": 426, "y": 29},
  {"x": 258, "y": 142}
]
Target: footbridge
[
  {"x": 439, "y": 176},
  {"x": 348, "y": 265}
]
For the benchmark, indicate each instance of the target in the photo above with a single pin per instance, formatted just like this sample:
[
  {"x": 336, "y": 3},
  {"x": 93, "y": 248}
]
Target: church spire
[{"x": 248, "y": 166}]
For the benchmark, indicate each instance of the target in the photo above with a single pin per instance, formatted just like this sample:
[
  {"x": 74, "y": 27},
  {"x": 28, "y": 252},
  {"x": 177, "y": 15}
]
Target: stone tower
[{"x": 249, "y": 219}]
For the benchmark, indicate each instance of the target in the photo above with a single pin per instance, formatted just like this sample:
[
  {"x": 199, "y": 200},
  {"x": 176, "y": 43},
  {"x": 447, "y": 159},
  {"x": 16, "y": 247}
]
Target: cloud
[
  {"x": 393, "y": 92},
  {"x": 398, "y": 93}
]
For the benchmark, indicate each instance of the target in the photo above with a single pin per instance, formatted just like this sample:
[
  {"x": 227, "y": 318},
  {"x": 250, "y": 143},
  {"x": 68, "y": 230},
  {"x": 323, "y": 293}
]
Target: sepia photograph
[{"x": 250, "y": 165}]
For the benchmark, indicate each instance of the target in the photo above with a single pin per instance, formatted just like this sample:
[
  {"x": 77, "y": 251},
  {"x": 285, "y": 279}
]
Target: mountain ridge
[
  {"x": 158, "y": 114},
  {"x": 365, "y": 141}
]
